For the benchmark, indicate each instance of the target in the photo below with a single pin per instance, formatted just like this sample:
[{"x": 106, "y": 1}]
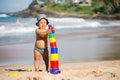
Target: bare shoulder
[{"x": 37, "y": 30}]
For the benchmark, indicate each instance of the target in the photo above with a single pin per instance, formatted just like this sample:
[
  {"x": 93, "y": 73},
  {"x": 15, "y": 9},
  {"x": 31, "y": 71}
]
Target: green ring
[{"x": 51, "y": 36}]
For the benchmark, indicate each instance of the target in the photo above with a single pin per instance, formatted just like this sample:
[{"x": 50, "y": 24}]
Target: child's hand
[
  {"x": 53, "y": 28},
  {"x": 48, "y": 31}
]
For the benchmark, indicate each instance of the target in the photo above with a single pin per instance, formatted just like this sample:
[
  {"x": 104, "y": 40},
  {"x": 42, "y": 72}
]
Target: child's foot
[
  {"x": 40, "y": 70},
  {"x": 36, "y": 70},
  {"x": 48, "y": 71}
]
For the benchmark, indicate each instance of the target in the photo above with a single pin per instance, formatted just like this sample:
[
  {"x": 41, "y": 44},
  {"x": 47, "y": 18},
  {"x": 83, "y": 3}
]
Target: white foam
[
  {"x": 2, "y": 28},
  {"x": 4, "y": 15},
  {"x": 59, "y": 23}
]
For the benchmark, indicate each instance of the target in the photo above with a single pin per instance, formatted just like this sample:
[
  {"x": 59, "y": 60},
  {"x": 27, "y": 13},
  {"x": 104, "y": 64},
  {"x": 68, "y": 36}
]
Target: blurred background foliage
[{"x": 101, "y": 6}]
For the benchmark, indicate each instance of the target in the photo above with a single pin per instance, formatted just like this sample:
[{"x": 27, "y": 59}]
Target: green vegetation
[
  {"x": 113, "y": 6},
  {"x": 67, "y": 8},
  {"x": 106, "y": 6},
  {"x": 102, "y": 6},
  {"x": 32, "y": 4}
]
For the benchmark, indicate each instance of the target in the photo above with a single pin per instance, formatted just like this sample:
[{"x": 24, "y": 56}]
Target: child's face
[{"x": 42, "y": 24}]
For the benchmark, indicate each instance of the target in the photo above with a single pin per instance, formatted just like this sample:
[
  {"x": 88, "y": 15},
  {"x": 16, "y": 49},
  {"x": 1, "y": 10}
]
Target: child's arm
[{"x": 40, "y": 33}]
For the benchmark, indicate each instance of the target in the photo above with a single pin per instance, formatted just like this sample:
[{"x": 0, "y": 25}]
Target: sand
[{"x": 92, "y": 70}]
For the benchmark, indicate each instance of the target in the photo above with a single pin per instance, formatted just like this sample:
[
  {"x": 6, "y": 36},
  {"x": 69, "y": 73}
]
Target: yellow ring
[
  {"x": 52, "y": 40},
  {"x": 54, "y": 57}
]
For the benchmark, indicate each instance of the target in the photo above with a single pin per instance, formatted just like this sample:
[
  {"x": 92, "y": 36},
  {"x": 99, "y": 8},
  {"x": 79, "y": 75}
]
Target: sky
[{"x": 13, "y": 5}]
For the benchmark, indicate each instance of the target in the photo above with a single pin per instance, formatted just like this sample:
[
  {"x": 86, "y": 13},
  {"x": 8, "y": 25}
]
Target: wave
[
  {"x": 15, "y": 30},
  {"x": 10, "y": 32},
  {"x": 62, "y": 23},
  {"x": 2, "y": 28},
  {"x": 4, "y": 15},
  {"x": 59, "y": 23}
]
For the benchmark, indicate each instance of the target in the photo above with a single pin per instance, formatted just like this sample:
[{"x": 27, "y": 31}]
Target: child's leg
[
  {"x": 37, "y": 57},
  {"x": 46, "y": 59}
]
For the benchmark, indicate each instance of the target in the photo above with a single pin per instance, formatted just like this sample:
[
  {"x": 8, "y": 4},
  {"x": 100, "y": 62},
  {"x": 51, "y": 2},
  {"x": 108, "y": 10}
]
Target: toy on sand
[
  {"x": 54, "y": 63},
  {"x": 13, "y": 75}
]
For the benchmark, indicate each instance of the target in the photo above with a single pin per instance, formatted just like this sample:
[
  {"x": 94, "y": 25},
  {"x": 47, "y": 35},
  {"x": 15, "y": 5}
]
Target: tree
[
  {"x": 34, "y": 2},
  {"x": 112, "y": 6}
]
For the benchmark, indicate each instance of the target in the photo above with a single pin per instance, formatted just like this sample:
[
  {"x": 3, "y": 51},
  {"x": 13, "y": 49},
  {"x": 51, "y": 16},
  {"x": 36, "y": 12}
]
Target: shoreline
[
  {"x": 84, "y": 43},
  {"x": 94, "y": 70}
]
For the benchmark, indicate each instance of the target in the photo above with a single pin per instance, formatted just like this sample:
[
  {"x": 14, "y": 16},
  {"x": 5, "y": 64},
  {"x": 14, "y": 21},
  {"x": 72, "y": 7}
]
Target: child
[{"x": 41, "y": 49}]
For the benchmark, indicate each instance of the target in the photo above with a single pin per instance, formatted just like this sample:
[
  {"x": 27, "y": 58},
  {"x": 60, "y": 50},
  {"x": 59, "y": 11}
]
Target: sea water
[
  {"x": 83, "y": 48},
  {"x": 11, "y": 32}
]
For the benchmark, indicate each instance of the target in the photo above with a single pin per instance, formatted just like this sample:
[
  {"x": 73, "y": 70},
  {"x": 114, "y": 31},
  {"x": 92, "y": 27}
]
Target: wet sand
[{"x": 101, "y": 44}]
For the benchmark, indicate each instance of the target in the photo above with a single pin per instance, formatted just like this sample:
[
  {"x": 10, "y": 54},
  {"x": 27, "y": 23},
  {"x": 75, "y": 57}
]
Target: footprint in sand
[
  {"x": 100, "y": 73},
  {"x": 31, "y": 78}
]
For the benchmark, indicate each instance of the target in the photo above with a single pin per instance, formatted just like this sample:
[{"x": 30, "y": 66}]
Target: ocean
[
  {"x": 23, "y": 31},
  {"x": 11, "y": 32}
]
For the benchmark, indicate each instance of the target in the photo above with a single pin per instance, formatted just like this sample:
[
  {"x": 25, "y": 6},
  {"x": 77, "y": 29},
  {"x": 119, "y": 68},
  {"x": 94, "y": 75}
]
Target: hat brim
[{"x": 37, "y": 23}]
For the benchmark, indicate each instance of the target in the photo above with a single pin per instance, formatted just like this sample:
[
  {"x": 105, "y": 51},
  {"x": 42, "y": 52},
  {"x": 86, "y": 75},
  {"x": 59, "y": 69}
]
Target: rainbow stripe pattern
[{"x": 54, "y": 63}]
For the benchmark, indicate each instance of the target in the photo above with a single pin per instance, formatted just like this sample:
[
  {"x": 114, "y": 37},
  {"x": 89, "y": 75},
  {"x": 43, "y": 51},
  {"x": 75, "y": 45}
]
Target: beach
[
  {"x": 87, "y": 49},
  {"x": 97, "y": 70}
]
